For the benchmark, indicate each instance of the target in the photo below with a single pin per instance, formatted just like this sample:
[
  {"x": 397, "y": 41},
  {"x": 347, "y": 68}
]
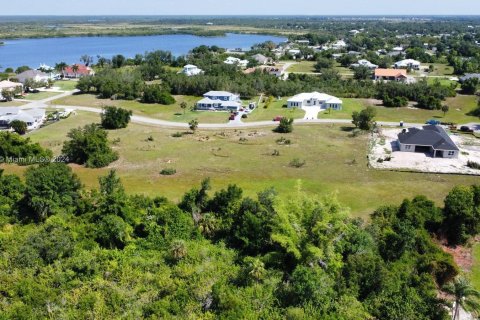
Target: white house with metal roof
[
  {"x": 315, "y": 99},
  {"x": 191, "y": 70},
  {"x": 236, "y": 61},
  {"x": 219, "y": 101},
  {"x": 408, "y": 64}
]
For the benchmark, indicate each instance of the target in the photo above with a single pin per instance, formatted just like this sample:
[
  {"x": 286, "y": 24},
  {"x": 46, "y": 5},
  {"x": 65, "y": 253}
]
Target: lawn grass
[
  {"x": 41, "y": 95},
  {"x": 16, "y": 103},
  {"x": 276, "y": 108},
  {"x": 475, "y": 272},
  {"x": 65, "y": 85},
  {"x": 302, "y": 67},
  {"x": 335, "y": 163},
  {"x": 460, "y": 106},
  {"x": 171, "y": 113}
]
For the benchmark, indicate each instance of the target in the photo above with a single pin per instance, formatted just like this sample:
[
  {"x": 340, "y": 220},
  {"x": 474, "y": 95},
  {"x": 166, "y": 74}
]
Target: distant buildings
[
  {"x": 219, "y": 101},
  {"x": 77, "y": 71},
  {"x": 191, "y": 70},
  {"x": 315, "y": 99}
]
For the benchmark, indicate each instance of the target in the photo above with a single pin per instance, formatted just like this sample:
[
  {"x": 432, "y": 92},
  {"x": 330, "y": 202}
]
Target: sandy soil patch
[{"x": 384, "y": 154}]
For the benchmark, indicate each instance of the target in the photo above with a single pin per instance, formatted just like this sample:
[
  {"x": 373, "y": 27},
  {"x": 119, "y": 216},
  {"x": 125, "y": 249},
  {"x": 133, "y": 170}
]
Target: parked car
[
  {"x": 466, "y": 129},
  {"x": 433, "y": 122},
  {"x": 278, "y": 118},
  {"x": 232, "y": 117}
]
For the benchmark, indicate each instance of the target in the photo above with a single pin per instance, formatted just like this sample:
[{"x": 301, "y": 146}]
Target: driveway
[{"x": 311, "y": 113}]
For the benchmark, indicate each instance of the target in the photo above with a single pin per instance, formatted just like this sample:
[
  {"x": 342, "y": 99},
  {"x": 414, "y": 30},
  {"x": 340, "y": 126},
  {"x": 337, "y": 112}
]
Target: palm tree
[
  {"x": 207, "y": 224},
  {"x": 178, "y": 249},
  {"x": 183, "y": 105},
  {"x": 465, "y": 296},
  {"x": 75, "y": 69},
  {"x": 256, "y": 270}
]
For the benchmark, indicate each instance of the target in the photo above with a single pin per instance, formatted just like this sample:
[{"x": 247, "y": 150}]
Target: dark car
[{"x": 466, "y": 129}]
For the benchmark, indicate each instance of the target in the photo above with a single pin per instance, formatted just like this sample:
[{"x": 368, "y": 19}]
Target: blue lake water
[{"x": 33, "y": 52}]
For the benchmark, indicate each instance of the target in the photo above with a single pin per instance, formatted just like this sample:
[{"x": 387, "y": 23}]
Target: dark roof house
[{"x": 431, "y": 138}]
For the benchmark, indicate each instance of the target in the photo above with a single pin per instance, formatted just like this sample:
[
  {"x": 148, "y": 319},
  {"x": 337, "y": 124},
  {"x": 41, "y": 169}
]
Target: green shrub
[
  {"x": 168, "y": 172},
  {"x": 297, "y": 163},
  {"x": 473, "y": 165},
  {"x": 115, "y": 118}
]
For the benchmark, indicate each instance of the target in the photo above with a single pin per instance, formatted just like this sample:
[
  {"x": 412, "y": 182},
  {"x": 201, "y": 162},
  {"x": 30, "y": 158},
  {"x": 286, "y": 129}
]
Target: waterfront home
[
  {"x": 219, "y": 101},
  {"x": 236, "y": 61},
  {"x": 77, "y": 71},
  {"x": 408, "y": 64},
  {"x": 261, "y": 59},
  {"x": 432, "y": 140},
  {"x": 315, "y": 99},
  {"x": 191, "y": 70},
  {"x": 390, "y": 75},
  {"x": 35, "y": 75}
]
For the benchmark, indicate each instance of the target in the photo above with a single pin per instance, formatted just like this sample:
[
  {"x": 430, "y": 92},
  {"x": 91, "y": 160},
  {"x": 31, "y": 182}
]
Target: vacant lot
[
  {"x": 301, "y": 66},
  {"x": 41, "y": 95},
  {"x": 334, "y": 163},
  {"x": 460, "y": 106},
  {"x": 276, "y": 108},
  {"x": 65, "y": 85},
  {"x": 171, "y": 113}
]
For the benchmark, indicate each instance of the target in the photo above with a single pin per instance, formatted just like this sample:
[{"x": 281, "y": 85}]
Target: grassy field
[
  {"x": 41, "y": 95},
  {"x": 475, "y": 273},
  {"x": 65, "y": 85},
  {"x": 459, "y": 107},
  {"x": 170, "y": 113},
  {"x": 335, "y": 163},
  {"x": 16, "y": 103},
  {"x": 276, "y": 108},
  {"x": 301, "y": 66}
]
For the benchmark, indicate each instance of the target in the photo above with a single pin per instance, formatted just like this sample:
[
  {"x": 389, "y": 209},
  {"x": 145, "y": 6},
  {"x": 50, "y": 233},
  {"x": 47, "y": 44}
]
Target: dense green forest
[{"x": 72, "y": 253}]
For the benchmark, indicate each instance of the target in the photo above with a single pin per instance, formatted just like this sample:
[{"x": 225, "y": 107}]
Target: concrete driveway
[{"x": 311, "y": 113}]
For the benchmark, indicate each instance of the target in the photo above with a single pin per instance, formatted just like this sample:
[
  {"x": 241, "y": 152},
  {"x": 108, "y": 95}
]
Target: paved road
[{"x": 236, "y": 124}]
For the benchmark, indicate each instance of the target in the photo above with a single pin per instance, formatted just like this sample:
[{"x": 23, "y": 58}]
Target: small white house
[
  {"x": 236, "y": 61},
  {"x": 408, "y": 64},
  {"x": 315, "y": 99},
  {"x": 339, "y": 45},
  {"x": 364, "y": 63},
  {"x": 191, "y": 70},
  {"x": 219, "y": 101}
]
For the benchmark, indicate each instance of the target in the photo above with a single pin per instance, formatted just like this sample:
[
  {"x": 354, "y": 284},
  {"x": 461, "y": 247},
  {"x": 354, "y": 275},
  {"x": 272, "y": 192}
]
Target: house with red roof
[{"x": 77, "y": 71}]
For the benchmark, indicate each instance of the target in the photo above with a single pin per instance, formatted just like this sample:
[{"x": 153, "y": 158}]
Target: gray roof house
[
  {"x": 261, "y": 59},
  {"x": 35, "y": 75},
  {"x": 431, "y": 139},
  {"x": 219, "y": 101},
  {"x": 470, "y": 76}
]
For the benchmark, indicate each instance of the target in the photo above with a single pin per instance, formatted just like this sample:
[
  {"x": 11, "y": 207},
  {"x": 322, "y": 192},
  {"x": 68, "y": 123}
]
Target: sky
[{"x": 240, "y": 7}]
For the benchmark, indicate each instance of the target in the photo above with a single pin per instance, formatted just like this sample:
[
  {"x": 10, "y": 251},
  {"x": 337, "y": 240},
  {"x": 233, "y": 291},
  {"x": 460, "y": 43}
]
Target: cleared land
[
  {"x": 171, "y": 113},
  {"x": 335, "y": 163},
  {"x": 12, "y": 103},
  {"x": 41, "y": 95},
  {"x": 65, "y": 85}
]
